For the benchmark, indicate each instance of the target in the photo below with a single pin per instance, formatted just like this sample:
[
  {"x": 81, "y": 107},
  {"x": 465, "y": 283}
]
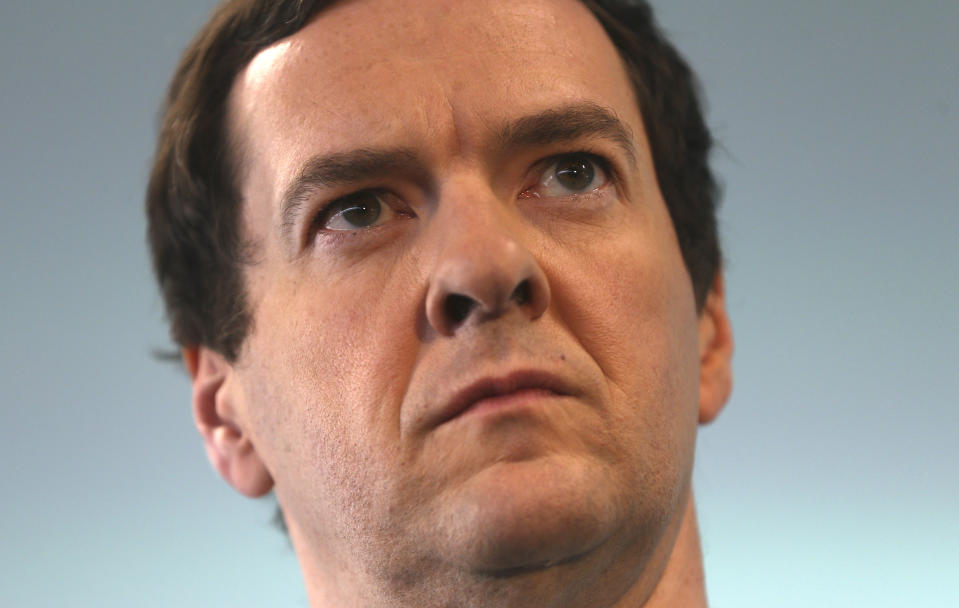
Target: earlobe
[
  {"x": 715, "y": 353},
  {"x": 216, "y": 400}
]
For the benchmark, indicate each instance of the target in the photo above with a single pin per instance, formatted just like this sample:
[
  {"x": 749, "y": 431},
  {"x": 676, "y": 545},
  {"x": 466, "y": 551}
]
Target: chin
[{"x": 518, "y": 517}]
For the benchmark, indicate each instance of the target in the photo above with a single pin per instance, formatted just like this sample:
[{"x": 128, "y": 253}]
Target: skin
[{"x": 544, "y": 499}]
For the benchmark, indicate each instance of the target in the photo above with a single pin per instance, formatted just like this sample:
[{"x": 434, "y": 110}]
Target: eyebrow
[
  {"x": 339, "y": 169},
  {"x": 568, "y": 123}
]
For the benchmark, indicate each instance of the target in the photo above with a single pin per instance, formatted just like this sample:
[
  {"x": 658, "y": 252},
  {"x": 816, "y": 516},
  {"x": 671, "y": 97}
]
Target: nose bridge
[
  {"x": 471, "y": 222},
  {"x": 483, "y": 266}
]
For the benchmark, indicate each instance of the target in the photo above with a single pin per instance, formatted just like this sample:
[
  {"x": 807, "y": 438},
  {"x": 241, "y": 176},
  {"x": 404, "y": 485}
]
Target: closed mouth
[{"x": 491, "y": 387}]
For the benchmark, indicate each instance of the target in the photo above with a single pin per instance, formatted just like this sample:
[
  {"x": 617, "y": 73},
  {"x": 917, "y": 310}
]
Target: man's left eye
[{"x": 570, "y": 175}]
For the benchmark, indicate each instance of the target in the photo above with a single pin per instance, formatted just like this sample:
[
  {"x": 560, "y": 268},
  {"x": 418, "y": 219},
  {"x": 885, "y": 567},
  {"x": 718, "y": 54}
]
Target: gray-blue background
[{"x": 831, "y": 478}]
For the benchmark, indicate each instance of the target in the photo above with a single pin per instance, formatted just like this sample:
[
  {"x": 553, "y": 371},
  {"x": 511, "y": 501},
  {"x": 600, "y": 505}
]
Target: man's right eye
[{"x": 357, "y": 211}]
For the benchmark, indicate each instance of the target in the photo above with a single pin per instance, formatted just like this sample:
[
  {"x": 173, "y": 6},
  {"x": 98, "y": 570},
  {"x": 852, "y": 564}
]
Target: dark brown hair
[{"x": 193, "y": 206}]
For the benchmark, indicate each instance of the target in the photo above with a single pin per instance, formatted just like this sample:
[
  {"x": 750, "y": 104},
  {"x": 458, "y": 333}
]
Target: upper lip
[{"x": 495, "y": 386}]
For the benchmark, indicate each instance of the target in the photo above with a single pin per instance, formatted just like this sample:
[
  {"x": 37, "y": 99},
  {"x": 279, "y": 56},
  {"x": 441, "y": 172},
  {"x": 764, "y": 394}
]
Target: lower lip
[{"x": 509, "y": 401}]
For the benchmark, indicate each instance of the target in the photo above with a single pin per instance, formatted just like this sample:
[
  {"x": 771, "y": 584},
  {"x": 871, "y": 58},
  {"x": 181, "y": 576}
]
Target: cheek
[
  {"x": 347, "y": 337},
  {"x": 628, "y": 301},
  {"x": 325, "y": 380},
  {"x": 627, "y": 297}
]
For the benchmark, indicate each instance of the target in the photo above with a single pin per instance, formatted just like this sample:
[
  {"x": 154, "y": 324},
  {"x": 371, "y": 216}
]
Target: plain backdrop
[{"x": 830, "y": 479}]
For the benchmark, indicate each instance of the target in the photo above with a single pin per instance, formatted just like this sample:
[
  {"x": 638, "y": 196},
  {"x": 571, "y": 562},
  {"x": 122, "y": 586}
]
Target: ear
[
  {"x": 216, "y": 397},
  {"x": 715, "y": 353}
]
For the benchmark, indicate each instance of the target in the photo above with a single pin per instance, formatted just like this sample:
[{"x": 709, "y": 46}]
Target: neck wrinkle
[{"x": 683, "y": 582}]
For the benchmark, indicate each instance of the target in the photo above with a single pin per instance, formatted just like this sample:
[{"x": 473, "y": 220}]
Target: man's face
[{"x": 497, "y": 242}]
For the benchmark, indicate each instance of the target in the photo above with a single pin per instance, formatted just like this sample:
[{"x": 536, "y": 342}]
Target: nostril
[
  {"x": 458, "y": 307},
  {"x": 523, "y": 293}
]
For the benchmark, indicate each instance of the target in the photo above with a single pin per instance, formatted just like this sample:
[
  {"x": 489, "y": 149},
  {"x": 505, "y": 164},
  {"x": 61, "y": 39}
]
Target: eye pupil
[{"x": 575, "y": 173}]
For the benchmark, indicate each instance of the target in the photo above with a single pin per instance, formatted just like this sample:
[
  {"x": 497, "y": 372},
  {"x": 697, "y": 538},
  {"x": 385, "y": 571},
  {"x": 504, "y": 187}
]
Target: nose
[{"x": 482, "y": 273}]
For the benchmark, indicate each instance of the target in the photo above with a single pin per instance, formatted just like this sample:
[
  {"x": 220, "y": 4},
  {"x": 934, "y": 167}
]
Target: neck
[
  {"x": 677, "y": 582},
  {"x": 683, "y": 582}
]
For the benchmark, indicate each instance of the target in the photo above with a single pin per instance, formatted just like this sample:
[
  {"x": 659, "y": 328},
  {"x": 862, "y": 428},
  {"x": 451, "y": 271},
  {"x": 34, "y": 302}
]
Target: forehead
[{"x": 421, "y": 73}]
